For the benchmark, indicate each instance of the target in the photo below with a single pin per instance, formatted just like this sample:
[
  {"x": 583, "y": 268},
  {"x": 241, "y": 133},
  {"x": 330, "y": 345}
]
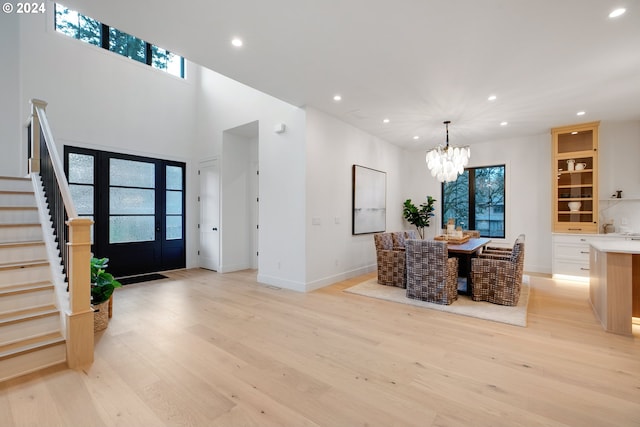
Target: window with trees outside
[
  {"x": 88, "y": 30},
  {"x": 476, "y": 200}
]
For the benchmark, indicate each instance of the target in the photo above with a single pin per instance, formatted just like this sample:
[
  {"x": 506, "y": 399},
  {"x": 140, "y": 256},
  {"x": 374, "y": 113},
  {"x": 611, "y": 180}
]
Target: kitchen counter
[
  {"x": 614, "y": 283},
  {"x": 620, "y": 246}
]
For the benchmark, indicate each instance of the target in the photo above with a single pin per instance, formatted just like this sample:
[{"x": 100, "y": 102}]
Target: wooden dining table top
[{"x": 469, "y": 247}]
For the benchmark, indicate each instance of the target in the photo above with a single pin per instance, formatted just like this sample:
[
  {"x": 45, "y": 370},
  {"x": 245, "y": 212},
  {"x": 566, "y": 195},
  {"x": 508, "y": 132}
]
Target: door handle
[{"x": 215, "y": 228}]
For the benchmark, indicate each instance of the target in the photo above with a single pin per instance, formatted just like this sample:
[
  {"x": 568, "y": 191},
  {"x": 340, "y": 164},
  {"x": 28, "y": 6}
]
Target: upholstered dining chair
[
  {"x": 498, "y": 252},
  {"x": 411, "y": 234},
  {"x": 431, "y": 275},
  {"x": 498, "y": 280},
  {"x": 400, "y": 236},
  {"x": 391, "y": 261}
]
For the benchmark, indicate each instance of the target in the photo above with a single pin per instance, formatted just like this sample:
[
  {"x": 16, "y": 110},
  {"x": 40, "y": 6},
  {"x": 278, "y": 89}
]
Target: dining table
[{"x": 465, "y": 252}]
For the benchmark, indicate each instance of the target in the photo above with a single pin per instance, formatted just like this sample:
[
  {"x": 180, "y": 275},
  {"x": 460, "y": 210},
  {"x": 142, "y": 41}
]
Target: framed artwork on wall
[{"x": 369, "y": 200}]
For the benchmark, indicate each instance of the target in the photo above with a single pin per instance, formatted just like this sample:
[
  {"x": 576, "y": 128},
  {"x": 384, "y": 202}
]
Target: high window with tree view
[
  {"x": 476, "y": 200},
  {"x": 88, "y": 30}
]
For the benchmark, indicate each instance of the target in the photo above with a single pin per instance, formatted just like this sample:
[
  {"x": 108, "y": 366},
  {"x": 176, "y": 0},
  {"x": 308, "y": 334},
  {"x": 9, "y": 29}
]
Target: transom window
[
  {"x": 88, "y": 30},
  {"x": 476, "y": 201}
]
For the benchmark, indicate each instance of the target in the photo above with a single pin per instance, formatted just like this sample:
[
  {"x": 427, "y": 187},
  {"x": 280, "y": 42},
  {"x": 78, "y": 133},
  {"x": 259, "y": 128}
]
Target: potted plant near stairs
[{"x": 102, "y": 286}]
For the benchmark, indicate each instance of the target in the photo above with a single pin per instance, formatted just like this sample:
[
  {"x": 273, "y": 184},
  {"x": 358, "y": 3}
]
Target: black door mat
[{"x": 143, "y": 278}]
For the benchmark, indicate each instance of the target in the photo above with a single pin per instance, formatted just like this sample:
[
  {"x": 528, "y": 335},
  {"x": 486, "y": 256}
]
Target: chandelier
[{"x": 446, "y": 163}]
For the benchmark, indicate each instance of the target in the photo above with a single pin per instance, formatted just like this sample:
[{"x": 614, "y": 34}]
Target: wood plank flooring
[{"x": 209, "y": 349}]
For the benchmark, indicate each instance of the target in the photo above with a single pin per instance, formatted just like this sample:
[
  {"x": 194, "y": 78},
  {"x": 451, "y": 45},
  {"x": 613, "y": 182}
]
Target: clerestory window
[{"x": 88, "y": 30}]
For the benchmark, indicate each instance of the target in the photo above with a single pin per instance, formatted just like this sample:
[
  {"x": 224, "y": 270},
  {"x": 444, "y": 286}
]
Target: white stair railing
[{"x": 73, "y": 236}]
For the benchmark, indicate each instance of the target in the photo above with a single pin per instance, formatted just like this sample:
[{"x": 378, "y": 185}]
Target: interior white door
[{"x": 209, "y": 215}]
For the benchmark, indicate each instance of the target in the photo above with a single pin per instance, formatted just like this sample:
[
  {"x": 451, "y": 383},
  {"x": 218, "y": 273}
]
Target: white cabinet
[{"x": 570, "y": 253}]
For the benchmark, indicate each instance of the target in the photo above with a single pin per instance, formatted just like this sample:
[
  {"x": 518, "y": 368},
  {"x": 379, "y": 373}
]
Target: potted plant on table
[
  {"x": 419, "y": 216},
  {"x": 102, "y": 287}
]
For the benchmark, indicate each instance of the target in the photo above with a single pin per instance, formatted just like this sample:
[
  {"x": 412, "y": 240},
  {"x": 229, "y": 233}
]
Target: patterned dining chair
[
  {"x": 391, "y": 261},
  {"x": 399, "y": 237},
  {"x": 431, "y": 275},
  {"x": 499, "y": 252},
  {"x": 499, "y": 280}
]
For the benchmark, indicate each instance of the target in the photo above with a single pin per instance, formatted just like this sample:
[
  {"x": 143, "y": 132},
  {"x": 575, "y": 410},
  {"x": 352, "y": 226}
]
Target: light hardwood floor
[{"x": 209, "y": 349}]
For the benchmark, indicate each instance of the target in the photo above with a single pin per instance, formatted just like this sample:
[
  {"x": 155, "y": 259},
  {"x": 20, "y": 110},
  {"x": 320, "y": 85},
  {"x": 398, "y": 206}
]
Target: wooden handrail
[
  {"x": 73, "y": 236},
  {"x": 39, "y": 107}
]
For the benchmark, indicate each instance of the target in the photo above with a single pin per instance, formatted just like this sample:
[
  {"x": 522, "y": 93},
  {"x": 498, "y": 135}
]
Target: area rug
[
  {"x": 464, "y": 305},
  {"x": 142, "y": 278}
]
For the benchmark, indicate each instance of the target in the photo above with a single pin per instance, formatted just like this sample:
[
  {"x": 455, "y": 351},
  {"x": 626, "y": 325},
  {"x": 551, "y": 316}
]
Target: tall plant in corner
[{"x": 419, "y": 216}]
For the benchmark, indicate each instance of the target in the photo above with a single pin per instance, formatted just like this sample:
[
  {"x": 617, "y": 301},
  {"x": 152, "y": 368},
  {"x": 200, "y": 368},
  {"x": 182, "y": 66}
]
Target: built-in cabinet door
[{"x": 575, "y": 187}]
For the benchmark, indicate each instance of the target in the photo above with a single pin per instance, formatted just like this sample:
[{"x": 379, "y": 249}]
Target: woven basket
[{"x": 101, "y": 316}]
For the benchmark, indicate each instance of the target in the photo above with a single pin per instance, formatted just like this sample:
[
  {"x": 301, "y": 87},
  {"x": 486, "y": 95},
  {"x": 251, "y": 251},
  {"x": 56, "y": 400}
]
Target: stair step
[
  {"x": 18, "y": 214},
  {"x": 15, "y": 184},
  {"x": 17, "y": 192},
  {"x": 25, "y": 272},
  {"x": 18, "y": 252},
  {"x": 16, "y": 325},
  {"x": 27, "y": 345},
  {"x": 15, "y": 316},
  {"x": 17, "y": 198},
  {"x": 32, "y": 354},
  {"x": 25, "y": 288},
  {"x": 24, "y": 232},
  {"x": 23, "y": 296},
  {"x": 14, "y": 266}
]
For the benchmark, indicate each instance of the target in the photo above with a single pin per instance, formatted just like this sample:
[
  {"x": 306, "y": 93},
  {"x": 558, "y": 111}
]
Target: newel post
[
  {"x": 80, "y": 315},
  {"x": 34, "y": 161}
]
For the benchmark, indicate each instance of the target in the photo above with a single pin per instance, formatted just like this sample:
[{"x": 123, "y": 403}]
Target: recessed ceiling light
[
  {"x": 386, "y": 121},
  {"x": 237, "y": 42},
  {"x": 492, "y": 98},
  {"x": 337, "y": 98},
  {"x": 580, "y": 113},
  {"x": 504, "y": 123},
  {"x": 617, "y": 12},
  {"x": 416, "y": 137}
]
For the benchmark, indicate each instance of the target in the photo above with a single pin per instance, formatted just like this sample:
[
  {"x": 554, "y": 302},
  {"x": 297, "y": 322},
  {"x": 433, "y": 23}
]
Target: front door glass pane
[
  {"x": 82, "y": 196},
  {"x": 129, "y": 173},
  {"x": 174, "y": 202},
  {"x": 80, "y": 168},
  {"x": 174, "y": 178},
  {"x": 125, "y": 229},
  {"x": 131, "y": 201},
  {"x": 174, "y": 227}
]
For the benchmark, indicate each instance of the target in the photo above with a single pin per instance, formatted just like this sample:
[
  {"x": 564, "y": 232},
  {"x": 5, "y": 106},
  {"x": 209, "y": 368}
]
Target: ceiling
[{"x": 415, "y": 62}]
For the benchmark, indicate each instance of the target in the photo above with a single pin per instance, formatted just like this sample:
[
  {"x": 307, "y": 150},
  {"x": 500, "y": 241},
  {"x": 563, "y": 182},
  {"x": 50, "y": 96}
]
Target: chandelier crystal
[{"x": 446, "y": 163}]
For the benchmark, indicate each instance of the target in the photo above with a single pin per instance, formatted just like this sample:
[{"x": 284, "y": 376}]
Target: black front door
[{"x": 138, "y": 209}]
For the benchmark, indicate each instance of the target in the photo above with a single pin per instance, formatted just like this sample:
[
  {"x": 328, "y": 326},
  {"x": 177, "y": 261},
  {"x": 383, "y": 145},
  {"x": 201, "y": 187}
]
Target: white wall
[
  {"x": 333, "y": 147},
  {"x": 101, "y": 100},
  {"x": 619, "y": 162},
  {"x": 12, "y": 135},
  {"x": 224, "y": 104}
]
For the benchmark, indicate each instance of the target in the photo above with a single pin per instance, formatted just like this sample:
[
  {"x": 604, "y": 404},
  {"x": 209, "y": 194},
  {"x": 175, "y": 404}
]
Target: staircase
[{"x": 30, "y": 323}]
